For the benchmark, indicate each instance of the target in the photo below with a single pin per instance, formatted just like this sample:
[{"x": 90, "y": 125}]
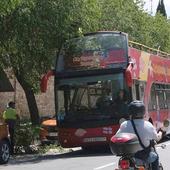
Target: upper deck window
[{"x": 94, "y": 51}]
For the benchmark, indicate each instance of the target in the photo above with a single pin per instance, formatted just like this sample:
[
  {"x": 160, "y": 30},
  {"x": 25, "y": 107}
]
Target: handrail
[{"x": 152, "y": 50}]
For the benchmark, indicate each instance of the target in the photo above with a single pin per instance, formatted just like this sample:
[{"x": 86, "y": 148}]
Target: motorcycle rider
[{"x": 145, "y": 129}]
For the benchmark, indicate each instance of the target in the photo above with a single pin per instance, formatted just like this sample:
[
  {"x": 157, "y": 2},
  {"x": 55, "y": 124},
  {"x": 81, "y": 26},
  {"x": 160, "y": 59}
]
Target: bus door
[
  {"x": 158, "y": 104},
  {"x": 161, "y": 102},
  {"x": 138, "y": 89}
]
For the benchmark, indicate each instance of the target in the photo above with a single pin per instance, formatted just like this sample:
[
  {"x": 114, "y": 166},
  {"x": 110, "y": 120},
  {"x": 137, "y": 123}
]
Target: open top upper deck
[
  {"x": 150, "y": 50},
  {"x": 98, "y": 50}
]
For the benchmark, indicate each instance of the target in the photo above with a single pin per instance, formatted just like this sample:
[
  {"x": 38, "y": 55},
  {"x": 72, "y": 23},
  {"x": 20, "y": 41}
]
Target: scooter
[{"x": 125, "y": 146}]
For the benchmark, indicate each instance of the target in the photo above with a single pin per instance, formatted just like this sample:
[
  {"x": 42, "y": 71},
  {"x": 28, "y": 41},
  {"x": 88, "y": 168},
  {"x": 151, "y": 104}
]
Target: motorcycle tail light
[
  {"x": 141, "y": 168},
  {"x": 124, "y": 164}
]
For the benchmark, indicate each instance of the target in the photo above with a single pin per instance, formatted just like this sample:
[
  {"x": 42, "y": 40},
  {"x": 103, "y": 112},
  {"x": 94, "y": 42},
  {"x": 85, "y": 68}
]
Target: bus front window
[{"x": 92, "y": 100}]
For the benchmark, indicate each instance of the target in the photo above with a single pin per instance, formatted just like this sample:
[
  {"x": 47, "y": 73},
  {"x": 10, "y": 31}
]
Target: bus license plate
[
  {"x": 53, "y": 134},
  {"x": 96, "y": 139}
]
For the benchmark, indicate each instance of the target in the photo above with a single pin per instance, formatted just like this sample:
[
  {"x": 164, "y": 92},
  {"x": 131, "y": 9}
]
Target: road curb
[{"x": 32, "y": 157}]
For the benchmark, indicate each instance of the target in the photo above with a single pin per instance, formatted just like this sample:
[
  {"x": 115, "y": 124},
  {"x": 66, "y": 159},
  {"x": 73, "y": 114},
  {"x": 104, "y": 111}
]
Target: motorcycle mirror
[{"x": 166, "y": 123}]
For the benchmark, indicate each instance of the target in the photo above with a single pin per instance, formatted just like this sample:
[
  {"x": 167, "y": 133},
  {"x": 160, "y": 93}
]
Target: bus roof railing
[{"x": 148, "y": 49}]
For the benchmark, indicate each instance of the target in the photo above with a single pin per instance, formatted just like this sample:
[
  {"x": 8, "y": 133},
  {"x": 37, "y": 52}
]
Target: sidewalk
[
  {"x": 64, "y": 150},
  {"x": 25, "y": 158}
]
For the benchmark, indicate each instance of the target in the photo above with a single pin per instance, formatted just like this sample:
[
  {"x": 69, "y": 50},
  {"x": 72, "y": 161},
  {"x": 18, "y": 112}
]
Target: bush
[{"x": 25, "y": 137}]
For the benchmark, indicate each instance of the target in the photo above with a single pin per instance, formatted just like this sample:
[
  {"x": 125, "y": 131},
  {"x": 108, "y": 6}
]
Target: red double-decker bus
[{"x": 96, "y": 76}]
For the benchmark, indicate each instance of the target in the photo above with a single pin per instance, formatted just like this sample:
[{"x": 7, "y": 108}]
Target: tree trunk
[{"x": 32, "y": 105}]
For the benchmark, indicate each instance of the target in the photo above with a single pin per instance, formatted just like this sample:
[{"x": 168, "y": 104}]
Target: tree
[
  {"x": 161, "y": 8},
  {"x": 122, "y": 15},
  {"x": 33, "y": 31},
  {"x": 129, "y": 17}
]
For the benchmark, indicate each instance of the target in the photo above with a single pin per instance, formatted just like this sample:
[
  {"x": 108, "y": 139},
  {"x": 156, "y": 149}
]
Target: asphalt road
[{"x": 76, "y": 160}]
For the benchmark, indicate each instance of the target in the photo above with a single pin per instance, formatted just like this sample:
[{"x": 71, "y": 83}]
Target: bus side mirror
[
  {"x": 45, "y": 79},
  {"x": 128, "y": 75}
]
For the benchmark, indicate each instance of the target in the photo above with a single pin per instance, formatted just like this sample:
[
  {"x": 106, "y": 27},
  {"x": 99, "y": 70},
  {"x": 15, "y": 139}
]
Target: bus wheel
[{"x": 4, "y": 151}]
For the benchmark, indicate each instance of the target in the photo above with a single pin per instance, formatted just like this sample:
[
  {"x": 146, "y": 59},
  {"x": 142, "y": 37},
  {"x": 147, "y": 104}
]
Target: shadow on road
[{"x": 26, "y": 159}]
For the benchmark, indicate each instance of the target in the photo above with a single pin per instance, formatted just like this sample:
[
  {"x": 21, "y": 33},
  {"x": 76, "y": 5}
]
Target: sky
[{"x": 155, "y": 4}]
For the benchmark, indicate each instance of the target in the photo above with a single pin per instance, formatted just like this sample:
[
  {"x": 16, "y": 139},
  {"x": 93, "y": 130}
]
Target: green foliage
[
  {"x": 129, "y": 17},
  {"x": 6, "y": 6},
  {"x": 160, "y": 33},
  {"x": 33, "y": 31},
  {"x": 25, "y": 136},
  {"x": 119, "y": 15},
  {"x": 48, "y": 148}
]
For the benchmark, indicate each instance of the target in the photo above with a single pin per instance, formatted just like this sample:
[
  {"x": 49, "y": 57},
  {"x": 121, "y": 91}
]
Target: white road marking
[{"x": 104, "y": 166}]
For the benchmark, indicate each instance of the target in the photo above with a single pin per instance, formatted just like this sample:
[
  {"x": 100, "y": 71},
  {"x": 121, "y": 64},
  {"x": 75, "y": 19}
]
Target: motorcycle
[{"x": 125, "y": 146}]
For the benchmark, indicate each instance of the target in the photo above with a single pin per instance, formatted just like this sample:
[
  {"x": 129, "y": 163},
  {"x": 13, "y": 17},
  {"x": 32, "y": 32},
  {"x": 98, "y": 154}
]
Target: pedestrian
[{"x": 10, "y": 116}]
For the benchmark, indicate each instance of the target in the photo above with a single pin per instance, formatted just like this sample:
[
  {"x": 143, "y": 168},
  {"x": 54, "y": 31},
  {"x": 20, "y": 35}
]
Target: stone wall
[{"x": 45, "y": 101}]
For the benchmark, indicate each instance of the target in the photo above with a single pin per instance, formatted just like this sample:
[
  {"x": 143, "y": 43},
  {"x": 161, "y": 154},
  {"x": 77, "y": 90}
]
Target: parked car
[
  {"x": 4, "y": 143},
  {"x": 49, "y": 131}
]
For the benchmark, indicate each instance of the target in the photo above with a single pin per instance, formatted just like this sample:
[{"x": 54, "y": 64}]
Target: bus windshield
[
  {"x": 92, "y": 98},
  {"x": 97, "y": 50}
]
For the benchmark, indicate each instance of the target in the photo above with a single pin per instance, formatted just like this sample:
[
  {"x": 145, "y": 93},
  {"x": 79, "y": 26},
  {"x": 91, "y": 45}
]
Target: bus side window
[
  {"x": 165, "y": 99},
  {"x": 168, "y": 98},
  {"x": 152, "y": 101},
  {"x": 161, "y": 99}
]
